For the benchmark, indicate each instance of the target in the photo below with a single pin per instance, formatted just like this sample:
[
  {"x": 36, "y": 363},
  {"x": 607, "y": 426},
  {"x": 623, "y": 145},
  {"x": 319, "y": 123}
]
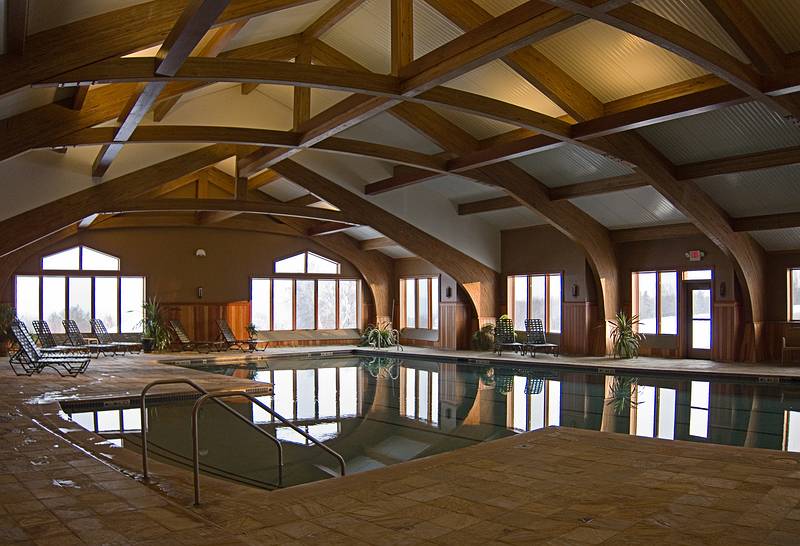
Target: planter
[{"x": 147, "y": 344}]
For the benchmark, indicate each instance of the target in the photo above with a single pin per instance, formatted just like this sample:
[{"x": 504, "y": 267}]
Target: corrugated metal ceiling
[
  {"x": 431, "y": 29},
  {"x": 570, "y": 164},
  {"x": 767, "y": 191},
  {"x": 282, "y": 23},
  {"x": 477, "y": 126},
  {"x": 775, "y": 240},
  {"x": 780, "y": 18},
  {"x": 365, "y": 35},
  {"x": 513, "y": 218},
  {"x": 498, "y": 7},
  {"x": 387, "y": 129},
  {"x": 637, "y": 207},
  {"x": 613, "y": 64},
  {"x": 740, "y": 129},
  {"x": 460, "y": 190}
]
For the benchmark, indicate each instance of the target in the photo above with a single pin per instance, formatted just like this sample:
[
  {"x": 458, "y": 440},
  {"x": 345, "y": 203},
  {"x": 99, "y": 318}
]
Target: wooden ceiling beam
[
  {"x": 478, "y": 280},
  {"x": 402, "y": 176},
  {"x": 766, "y": 222},
  {"x": 16, "y": 17},
  {"x": 514, "y": 29},
  {"x": 749, "y": 34},
  {"x": 654, "y": 233},
  {"x": 212, "y": 45},
  {"x": 304, "y": 200},
  {"x": 329, "y": 19},
  {"x": 195, "y": 20},
  {"x": 488, "y": 205},
  {"x": 402, "y": 28},
  {"x": 301, "y": 105},
  {"x": 326, "y": 228},
  {"x": 534, "y": 67},
  {"x": 741, "y": 163},
  {"x": 89, "y": 40}
]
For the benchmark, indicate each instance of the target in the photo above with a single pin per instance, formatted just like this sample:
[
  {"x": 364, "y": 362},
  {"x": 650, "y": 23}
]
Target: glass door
[{"x": 699, "y": 319}]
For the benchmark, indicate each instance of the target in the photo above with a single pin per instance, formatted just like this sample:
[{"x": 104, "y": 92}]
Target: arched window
[
  {"x": 56, "y": 296},
  {"x": 80, "y": 258},
  {"x": 307, "y": 262}
]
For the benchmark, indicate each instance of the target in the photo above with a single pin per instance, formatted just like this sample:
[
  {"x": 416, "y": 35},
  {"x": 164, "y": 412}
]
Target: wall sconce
[
  {"x": 449, "y": 292},
  {"x": 200, "y": 253},
  {"x": 200, "y": 292},
  {"x": 723, "y": 288},
  {"x": 575, "y": 290}
]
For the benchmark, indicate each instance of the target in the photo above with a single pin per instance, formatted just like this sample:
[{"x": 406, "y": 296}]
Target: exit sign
[{"x": 695, "y": 255}]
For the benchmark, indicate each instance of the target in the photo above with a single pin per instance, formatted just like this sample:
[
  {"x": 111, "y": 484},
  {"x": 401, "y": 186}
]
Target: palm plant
[
  {"x": 154, "y": 332},
  {"x": 621, "y": 392},
  {"x": 624, "y": 336},
  {"x": 380, "y": 336},
  {"x": 483, "y": 339},
  {"x": 7, "y": 316}
]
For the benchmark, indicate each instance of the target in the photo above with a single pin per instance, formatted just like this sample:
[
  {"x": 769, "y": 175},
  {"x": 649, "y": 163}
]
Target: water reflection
[{"x": 378, "y": 412}]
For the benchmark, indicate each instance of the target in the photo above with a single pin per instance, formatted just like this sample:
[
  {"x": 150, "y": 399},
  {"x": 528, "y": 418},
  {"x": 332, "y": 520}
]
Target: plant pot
[
  {"x": 147, "y": 344},
  {"x": 5, "y": 347}
]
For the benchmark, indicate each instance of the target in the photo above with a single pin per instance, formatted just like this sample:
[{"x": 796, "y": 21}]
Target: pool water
[{"x": 379, "y": 411}]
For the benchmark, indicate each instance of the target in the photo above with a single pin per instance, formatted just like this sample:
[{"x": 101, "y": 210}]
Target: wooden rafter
[
  {"x": 195, "y": 20},
  {"x": 740, "y": 163},
  {"x": 212, "y": 45},
  {"x": 402, "y": 23},
  {"x": 766, "y": 222},
  {"x": 301, "y": 107},
  {"x": 537, "y": 69},
  {"x": 654, "y": 233},
  {"x": 377, "y": 244},
  {"x": 304, "y": 200},
  {"x": 16, "y": 26},
  {"x": 326, "y": 228}
]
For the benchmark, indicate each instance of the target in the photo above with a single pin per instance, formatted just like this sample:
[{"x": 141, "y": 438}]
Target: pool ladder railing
[{"x": 215, "y": 397}]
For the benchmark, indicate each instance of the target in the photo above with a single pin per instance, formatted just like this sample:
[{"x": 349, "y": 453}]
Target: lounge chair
[
  {"x": 48, "y": 343},
  {"x": 231, "y": 342},
  {"x": 103, "y": 337},
  {"x": 189, "y": 345},
  {"x": 505, "y": 336},
  {"x": 76, "y": 339},
  {"x": 29, "y": 359},
  {"x": 535, "y": 338},
  {"x": 790, "y": 343}
]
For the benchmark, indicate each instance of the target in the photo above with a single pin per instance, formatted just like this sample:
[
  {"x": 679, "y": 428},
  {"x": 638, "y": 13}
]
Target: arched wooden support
[
  {"x": 686, "y": 196},
  {"x": 480, "y": 281}
]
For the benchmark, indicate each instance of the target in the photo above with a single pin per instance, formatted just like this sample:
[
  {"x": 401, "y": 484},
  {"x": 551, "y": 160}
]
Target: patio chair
[
  {"x": 103, "y": 337},
  {"x": 29, "y": 359},
  {"x": 535, "y": 338},
  {"x": 188, "y": 344},
  {"x": 76, "y": 339},
  {"x": 231, "y": 342},
  {"x": 505, "y": 336},
  {"x": 47, "y": 342}
]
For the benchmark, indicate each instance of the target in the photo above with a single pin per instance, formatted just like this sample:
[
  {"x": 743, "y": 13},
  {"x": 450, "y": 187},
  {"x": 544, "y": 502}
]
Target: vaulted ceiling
[{"x": 461, "y": 117}]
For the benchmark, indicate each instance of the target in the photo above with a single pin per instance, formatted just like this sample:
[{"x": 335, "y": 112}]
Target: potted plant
[
  {"x": 380, "y": 336},
  {"x": 154, "y": 332},
  {"x": 7, "y": 315},
  {"x": 624, "y": 337},
  {"x": 252, "y": 334},
  {"x": 483, "y": 339}
]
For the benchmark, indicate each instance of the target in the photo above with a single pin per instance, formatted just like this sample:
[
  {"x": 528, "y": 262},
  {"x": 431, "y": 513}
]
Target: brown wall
[
  {"x": 777, "y": 299},
  {"x": 166, "y": 256}
]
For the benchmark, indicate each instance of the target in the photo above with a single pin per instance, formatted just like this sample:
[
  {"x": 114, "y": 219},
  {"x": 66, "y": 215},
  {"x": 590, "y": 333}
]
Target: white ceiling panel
[
  {"x": 497, "y": 80},
  {"x": 387, "y": 129},
  {"x": 693, "y": 16},
  {"x": 778, "y": 239},
  {"x": 637, "y": 207},
  {"x": 460, "y": 190},
  {"x": 279, "y": 24},
  {"x": 46, "y": 14},
  {"x": 613, "y": 64},
  {"x": 283, "y": 190},
  {"x": 365, "y": 35},
  {"x": 363, "y": 233},
  {"x": 780, "y": 17},
  {"x": 431, "y": 29},
  {"x": 477, "y": 126},
  {"x": 766, "y": 191},
  {"x": 397, "y": 252},
  {"x": 499, "y": 7},
  {"x": 570, "y": 164},
  {"x": 741, "y": 129}
]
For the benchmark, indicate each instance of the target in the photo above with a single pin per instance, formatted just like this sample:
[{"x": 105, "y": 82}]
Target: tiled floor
[{"x": 561, "y": 486}]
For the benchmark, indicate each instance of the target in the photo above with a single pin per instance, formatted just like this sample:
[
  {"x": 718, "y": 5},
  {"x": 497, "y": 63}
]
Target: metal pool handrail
[
  {"x": 203, "y": 392},
  {"x": 228, "y": 394}
]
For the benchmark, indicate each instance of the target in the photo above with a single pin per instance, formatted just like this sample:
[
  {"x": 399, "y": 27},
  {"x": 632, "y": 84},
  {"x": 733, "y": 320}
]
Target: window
[
  {"x": 307, "y": 262},
  {"x": 655, "y": 301},
  {"x": 535, "y": 297},
  {"x": 419, "y": 297},
  {"x": 697, "y": 275},
  {"x": 80, "y": 258},
  {"x": 419, "y": 395},
  {"x": 304, "y": 304},
  {"x": 794, "y": 294},
  {"x": 534, "y": 403},
  {"x": 698, "y": 412}
]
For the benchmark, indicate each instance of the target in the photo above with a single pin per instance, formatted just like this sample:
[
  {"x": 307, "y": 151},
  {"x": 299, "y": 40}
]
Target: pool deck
[{"x": 60, "y": 485}]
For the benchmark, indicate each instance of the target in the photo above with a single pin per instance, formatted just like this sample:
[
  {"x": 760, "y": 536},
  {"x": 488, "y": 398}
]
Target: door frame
[{"x": 688, "y": 286}]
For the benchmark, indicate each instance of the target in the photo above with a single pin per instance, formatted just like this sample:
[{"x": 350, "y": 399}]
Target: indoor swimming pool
[{"x": 380, "y": 411}]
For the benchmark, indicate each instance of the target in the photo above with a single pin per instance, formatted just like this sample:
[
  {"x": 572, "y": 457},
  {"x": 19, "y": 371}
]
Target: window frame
[
  {"x": 80, "y": 267},
  {"x": 789, "y": 299},
  {"x": 431, "y": 304},
  {"x": 511, "y": 300},
  {"x": 304, "y": 277},
  {"x": 67, "y": 275},
  {"x": 305, "y": 255},
  {"x": 658, "y": 293}
]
